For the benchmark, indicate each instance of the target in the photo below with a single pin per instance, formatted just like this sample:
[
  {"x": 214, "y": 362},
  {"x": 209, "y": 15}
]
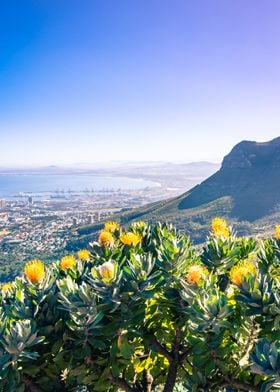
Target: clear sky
[{"x": 100, "y": 80}]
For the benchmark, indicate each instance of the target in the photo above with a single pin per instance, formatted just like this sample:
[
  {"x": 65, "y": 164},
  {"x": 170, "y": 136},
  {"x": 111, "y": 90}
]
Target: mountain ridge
[{"x": 248, "y": 176}]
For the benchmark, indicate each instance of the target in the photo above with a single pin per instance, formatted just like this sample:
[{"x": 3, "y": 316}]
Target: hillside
[
  {"x": 249, "y": 175},
  {"x": 246, "y": 190}
]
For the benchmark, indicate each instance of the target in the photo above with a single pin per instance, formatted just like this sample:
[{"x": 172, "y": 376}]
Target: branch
[
  {"x": 30, "y": 384},
  {"x": 161, "y": 350},
  {"x": 240, "y": 385},
  {"x": 231, "y": 381},
  {"x": 120, "y": 382},
  {"x": 184, "y": 353}
]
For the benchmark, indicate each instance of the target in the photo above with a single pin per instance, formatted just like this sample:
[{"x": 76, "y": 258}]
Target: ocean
[{"x": 14, "y": 185}]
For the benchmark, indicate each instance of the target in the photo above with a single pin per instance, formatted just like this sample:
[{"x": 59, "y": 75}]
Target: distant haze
[
  {"x": 100, "y": 81},
  {"x": 105, "y": 165}
]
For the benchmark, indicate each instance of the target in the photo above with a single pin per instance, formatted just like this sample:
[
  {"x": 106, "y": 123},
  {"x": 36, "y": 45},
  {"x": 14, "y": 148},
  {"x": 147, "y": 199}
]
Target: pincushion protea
[
  {"x": 83, "y": 254},
  {"x": 196, "y": 273},
  {"x": 111, "y": 226},
  {"x": 106, "y": 239},
  {"x": 219, "y": 228},
  {"x": 243, "y": 269},
  {"x": 34, "y": 271},
  {"x": 130, "y": 239},
  {"x": 67, "y": 262}
]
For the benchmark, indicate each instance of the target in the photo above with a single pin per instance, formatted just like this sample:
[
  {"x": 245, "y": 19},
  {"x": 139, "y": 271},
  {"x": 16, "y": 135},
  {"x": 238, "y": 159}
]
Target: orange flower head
[
  {"x": 219, "y": 228},
  {"x": 67, "y": 262},
  {"x": 106, "y": 239},
  {"x": 130, "y": 239},
  {"x": 111, "y": 226},
  {"x": 83, "y": 254},
  {"x": 196, "y": 273},
  {"x": 277, "y": 232},
  {"x": 241, "y": 270},
  {"x": 34, "y": 271}
]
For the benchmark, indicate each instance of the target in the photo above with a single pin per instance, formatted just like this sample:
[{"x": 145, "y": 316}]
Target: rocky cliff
[{"x": 250, "y": 175}]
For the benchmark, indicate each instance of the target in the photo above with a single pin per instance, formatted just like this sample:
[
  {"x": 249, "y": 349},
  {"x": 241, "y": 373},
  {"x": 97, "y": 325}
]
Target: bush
[{"x": 146, "y": 311}]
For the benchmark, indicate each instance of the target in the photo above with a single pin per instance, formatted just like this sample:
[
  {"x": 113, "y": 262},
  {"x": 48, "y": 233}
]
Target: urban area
[{"x": 34, "y": 224}]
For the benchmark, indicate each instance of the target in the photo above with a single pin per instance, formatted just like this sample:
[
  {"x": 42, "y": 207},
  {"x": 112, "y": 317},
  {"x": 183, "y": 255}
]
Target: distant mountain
[
  {"x": 246, "y": 190},
  {"x": 117, "y": 168},
  {"x": 250, "y": 176}
]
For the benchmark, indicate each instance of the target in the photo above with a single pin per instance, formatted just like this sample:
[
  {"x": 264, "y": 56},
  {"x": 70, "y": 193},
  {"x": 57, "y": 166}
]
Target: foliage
[
  {"x": 146, "y": 311},
  {"x": 12, "y": 262}
]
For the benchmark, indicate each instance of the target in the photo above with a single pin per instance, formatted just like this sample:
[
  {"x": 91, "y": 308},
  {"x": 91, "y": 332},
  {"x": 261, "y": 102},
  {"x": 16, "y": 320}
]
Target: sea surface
[{"x": 14, "y": 185}]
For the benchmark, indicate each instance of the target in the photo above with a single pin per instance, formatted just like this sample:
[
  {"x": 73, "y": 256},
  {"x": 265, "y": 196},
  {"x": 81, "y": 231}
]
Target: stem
[
  {"x": 148, "y": 381},
  {"x": 171, "y": 376},
  {"x": 174, "y": 364},
  {"x": 254, "y": 331}
]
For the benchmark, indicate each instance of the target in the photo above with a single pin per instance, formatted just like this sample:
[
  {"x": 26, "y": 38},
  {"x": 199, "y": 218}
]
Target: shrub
[{"x": 146, "y": 311}]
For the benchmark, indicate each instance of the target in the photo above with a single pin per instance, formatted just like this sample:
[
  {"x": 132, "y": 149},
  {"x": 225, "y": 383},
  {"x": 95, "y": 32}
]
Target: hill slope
[{"x": 246, "y": 190}]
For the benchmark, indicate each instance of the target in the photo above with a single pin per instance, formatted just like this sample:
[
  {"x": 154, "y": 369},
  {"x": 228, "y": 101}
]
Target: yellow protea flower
[
  {"x": 106, "y": 271},
  {"x": 196, "y": 273},
  {"x": 7, "y": 287},
  {"x": 139, "y": 225},
  {"x": 83, "y": 254},
  {"x": 67, "y": 262},
  {"x": 277, "y": 232},
  {"x": 219, "y": 228},
  {"x": 34, "y": 271},
  {"x": 241, "y": 270},
  {"x": 106, "y": 239},
  {"x": 130, "y": 239},
  {"x": 111, "y": 226}
]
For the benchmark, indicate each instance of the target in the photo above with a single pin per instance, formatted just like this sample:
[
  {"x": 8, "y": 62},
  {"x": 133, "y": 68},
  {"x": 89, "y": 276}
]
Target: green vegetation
[
  {"x": 10, "y": 266},
  {"x": 146, "y": 311},
  {"x": 194, "y": 221},
  {"x": 12, "y": 263}
]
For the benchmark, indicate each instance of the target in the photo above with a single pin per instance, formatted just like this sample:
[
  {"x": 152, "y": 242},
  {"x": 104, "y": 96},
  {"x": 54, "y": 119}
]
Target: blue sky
[{"x": 100, "y": 80}]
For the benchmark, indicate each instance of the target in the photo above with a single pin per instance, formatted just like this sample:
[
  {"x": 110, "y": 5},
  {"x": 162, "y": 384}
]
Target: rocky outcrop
[
  {"x": 248, "y": 154},
  {"x": 250, "y": 175}
]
